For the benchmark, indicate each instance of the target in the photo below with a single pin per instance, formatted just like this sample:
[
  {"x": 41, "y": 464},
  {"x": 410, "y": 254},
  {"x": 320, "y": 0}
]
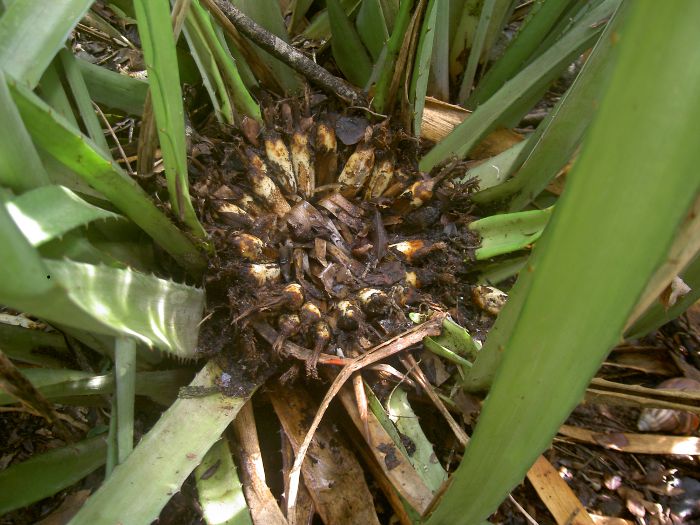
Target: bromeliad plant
[{"x": 116, "y": 273}]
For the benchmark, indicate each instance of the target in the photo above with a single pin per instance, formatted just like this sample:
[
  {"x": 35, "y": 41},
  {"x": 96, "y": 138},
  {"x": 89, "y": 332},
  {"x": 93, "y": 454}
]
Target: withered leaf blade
[{"x": 334, "y": 478}]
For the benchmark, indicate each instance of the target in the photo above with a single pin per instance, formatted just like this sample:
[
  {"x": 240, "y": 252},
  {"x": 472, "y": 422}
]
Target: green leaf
[
  {"x": 444, "y": 352},
  {"x": 220, "y": 490},
  {"x": 61, "y": 385},
  {"x": 215, "y": 50},
  {"x": 299, "y": 9},
  {"x": 440, "y": 60},
  {"x": 595, "y": 259},
  {"x": 463, "y": 37},
  {"x": 498, "y": 271},
  {"x": 320, "y": 28},
  {"x": 23, "y": 273},
  {"x": 390, "y": 10},
  {"x": 112, "y": 89},
  {"x": 82, "y": 99},
  {"x": 41, "y": 378},
  {"x": 31, "y": 33},
  {"x": 158, "y": 43},
  {"x": 560, "y": 133},
  {"x": 657, "y": 315},
  {"x": 457, "y": 339},
  {"x": 108, "y": 301},
  {"x": 386, "y": 64},
  {"x": 75, "y": 246},
  {"x": 519, "y": 94},
  {"x": 371, "y": 27},
  {"x": 51, "y": 90},
  {"x": 141, "y": 486},
  {"x": 509, "y": 232},
  {"x": 52, "y": 211},
  {"x": 421, "y": 68},
  {"x": 492, "y": 172},
  {"x": 45, "y": 474},
  {"x": 125, "y": 373},
  {"x": 348, "y": 51},
  {"x": 77, "y": 152},
  {"x": 208, "y": 70},
  {"x": 422, "y": 459},
  {"x": 26, "y": 345},
  {"x": 681, "y": 260},
  {"x": 267, "y": 13},
  {"x": 541, "y": 18},
  {"x": 493, "y": 16},
  {"x": 21, "y": 168}
]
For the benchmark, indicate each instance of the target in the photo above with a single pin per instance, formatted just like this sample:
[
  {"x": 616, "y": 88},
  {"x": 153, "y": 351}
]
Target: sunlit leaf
[
  {"x": 406, "y": 421},
  {"x": 110, "y": 301},
  {"x": 77, "y": 152},
  {"x": 51, "y": 211},
  {"x": 220, "y": 491}
]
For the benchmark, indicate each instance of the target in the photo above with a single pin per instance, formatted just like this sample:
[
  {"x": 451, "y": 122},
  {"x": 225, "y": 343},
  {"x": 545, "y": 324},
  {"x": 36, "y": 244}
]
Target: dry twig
[
  {"x": 225, "y": 12},
  {"x": 382, "y": 351}
]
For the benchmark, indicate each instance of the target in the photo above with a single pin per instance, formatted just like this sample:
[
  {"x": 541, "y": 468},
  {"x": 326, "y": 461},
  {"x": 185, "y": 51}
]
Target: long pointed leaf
[
  {"x": 77, "y": 152},
  {"x": 421, "y": 69},
  {"x": 518, "y": 94},
  {"x": 31, "y": 33},
  {"x": 348, "y": 51},
  {"x": 45, "y": 474},
  {"x": 140, "y": 487},
  {"x": 82, "y": 98},
  {"x": 220, "y": 490},
  {"x": 493, "y": 15},
  {"x": 112, "y": 89},
  {"x": 267, "y": 13},
  {"x": 561, "y": 132},
  {"x": 509, "y": 232},
  {"x": 62, "y": 384},
  {"x": 595, "y": 258},
  {"x": 158, "y": 41},
  {"x": 543, "y": 15},
  {"x": 101, "y": 299},
  {"x": 125, "y": 372},
  {"x": 52, "y": 211},
  {"x": 21, "y": 168},
  {"x": 21, "y": 344},
  {"x": 371, "y": 27}
]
